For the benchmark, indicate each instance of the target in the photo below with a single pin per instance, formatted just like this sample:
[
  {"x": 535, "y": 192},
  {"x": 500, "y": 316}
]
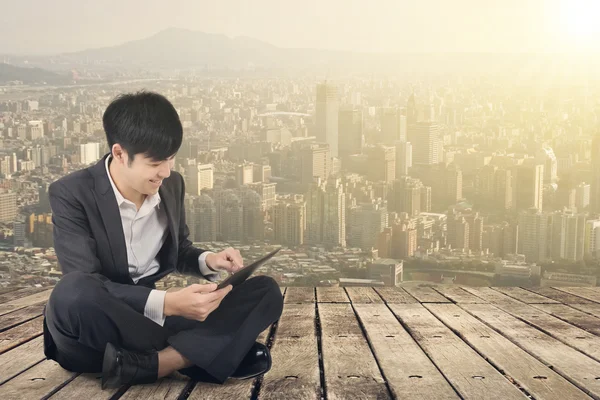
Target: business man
[{"x": 119, "y": 226}]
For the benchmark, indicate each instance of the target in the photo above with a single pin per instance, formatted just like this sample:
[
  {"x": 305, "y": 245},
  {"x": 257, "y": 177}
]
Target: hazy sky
[{"x": 51, "y": 26}]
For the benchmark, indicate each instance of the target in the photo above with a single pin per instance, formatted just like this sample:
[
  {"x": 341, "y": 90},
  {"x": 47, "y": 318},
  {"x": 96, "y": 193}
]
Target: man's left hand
[{"x": 229, "y": 260}]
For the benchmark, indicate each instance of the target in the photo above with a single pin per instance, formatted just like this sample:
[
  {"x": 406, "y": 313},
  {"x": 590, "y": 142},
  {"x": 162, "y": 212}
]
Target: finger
[
  {"x": 205, "y": 288},
  {"x": 236, "y": 259}
]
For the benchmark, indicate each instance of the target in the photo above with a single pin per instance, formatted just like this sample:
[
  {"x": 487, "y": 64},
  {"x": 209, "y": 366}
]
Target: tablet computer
[{"x": 242, "y": 274}]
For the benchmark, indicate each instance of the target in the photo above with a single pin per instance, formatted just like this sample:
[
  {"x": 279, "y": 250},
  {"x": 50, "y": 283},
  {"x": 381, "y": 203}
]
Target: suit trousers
[{"x": 81, "y": 317}]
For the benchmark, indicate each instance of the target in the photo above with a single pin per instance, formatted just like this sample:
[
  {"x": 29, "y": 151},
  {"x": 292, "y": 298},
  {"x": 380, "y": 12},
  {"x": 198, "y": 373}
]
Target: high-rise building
[
  {"x": 289, "y": 221},
  {"x": 88, "y": 153},
  {"x": 409, "y": 195},
  {"x": 393, "y": 125},
  {"x": 266, "y": 192},
  {"x": 592, "y": 237},
  {"x": 350, "y": 129},
  {"x": 315, "y": 162},
  {"x": 595, "y": 183},
  {"x": 533, "y": 235},
  {"x": 425, "y": 143},
  {"x": 403, "y": 158},
  {"x": 528, "y": 185},
  {"x": 253, "y": 216},
  {"x": 381, "y": 161},
  {"x": 262, "y": 173},
  {"x": 205, "y": 219},
  {"x": 231, "y": 217},
  {"x": 8, "y": 205},
  {"x": 367, "y": 221},
  {"x": 546, "y": 157},
  {"x": 326, "y": 116},
  {"x": 326, "y": 214},
  {"x": 244, "y": 174},
  {"x": 198, "y": 177},
  {"x": 567, "y": 235},
  {"x": 404, "y": 239}
]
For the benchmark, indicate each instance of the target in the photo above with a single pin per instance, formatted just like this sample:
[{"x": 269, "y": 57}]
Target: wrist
[
  {"x": 208, "y": 260},
  {"x": 169, "y": 309}
]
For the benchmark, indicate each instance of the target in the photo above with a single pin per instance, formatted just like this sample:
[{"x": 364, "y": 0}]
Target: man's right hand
[{"x": 195, "y": 301}]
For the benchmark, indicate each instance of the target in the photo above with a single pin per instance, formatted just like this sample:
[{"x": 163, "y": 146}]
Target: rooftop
[{"x": 417, "y": 342}]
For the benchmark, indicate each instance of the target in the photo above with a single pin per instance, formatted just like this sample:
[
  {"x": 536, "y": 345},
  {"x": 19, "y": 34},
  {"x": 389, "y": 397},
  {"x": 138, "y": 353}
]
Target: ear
[{"x": 118, "y": 153}]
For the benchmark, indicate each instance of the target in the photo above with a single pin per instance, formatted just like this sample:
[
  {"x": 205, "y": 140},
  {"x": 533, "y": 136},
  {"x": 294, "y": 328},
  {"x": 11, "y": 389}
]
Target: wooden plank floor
[{"x": 418, "y": 342}]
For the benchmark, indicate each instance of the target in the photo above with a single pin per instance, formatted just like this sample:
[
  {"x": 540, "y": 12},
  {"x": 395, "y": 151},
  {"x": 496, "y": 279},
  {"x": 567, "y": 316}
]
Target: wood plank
[
  {"x": 15, "y": 318},
  {"x": 17, "y": 294},
  {"x": 425, "y": 294},
  {"x": 492, "y": 296},
  {"x": 343, "y": 345},
  {"x": 582, "y": 292},
  {"x": 592, "y": 308},
  {"x": 395, "y": 295},
  {"x": 470, "y": 375},
  {"x": 295, "y": 370},
  {"x": 525, "y": 296},
  {"x": 407, "y": 369},
  {"x": 532, "y": 375},
  {"x": 576, "y": 367},
  {"x": 37, "y": 382},
  {"x": 4, "y": 290},
  {"x": 85, "y": 386},
  {"x": 333, "y": 294},
  {"x": 20, "y": 334},
  {"x": 363, "y": 295},
  {"x": 572, "y": 316},
  {"x": 17, "y": 360},
  {"x": 573, "y": 336},
  {"x": 23, "y": 302},
  {"x": 168, "y": 388},
  {"x": 457, "y": 294},
  {"x": 299, "y": 295},
  {"x": 559, "y": 295}
]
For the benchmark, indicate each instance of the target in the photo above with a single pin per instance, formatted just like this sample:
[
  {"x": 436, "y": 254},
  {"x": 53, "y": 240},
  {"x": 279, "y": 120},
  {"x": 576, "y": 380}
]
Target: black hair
[{"x": 143, "y": 123}]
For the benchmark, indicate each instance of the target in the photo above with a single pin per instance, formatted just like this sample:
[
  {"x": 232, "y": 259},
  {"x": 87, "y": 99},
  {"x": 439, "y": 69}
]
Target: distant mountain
[{"x": 10, "y": 73}]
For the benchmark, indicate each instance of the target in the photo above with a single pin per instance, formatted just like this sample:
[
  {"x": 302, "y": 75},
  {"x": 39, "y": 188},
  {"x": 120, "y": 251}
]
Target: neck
[{"x": 126, "y": 191}]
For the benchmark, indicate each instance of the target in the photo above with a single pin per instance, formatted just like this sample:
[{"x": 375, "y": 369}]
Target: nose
[{"x": 165, "y": 170}]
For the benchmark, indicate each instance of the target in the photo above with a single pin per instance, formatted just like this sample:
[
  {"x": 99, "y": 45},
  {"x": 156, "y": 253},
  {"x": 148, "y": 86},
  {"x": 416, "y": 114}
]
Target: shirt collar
[{"x": 153, "y": 200}]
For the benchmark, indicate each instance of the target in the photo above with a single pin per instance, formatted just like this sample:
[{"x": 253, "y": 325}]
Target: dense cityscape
[{"x": 362, "y": 180}]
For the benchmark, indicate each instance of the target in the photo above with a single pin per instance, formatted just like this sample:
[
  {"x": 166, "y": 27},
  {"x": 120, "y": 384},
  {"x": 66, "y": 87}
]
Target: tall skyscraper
[
  {"x": 326, "y": 214},
  {"x": 350, "y": 129},
  {"x": 8, "y": 205},
  {"x": 244, "y": 174},
  {"x": 367, "y": 221},
  {"x": 595, "y": 183},
  {"x": 533, "y": 235},
  {"x": 425, "y": 143},
  {"x": 205, "y": 219},
  {"x": 528, "y": 185},
  {"x": 315, "y": 162},
  {"x": 393, "y": 125},
  {"x": 403, "y": 158},
  {"x": 289, "y": 221},
  {"x": 567, "y": 235},
  {"x": 381, "y": 163},
  {"x": 198, "y": 177},
  {"x": 326, "y": 117}
]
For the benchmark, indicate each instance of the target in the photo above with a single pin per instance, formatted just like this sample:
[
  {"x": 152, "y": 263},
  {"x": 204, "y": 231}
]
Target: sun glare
[{"x": 580, "y": 20}]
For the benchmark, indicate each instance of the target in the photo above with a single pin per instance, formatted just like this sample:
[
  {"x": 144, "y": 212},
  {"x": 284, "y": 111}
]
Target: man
[{"x": 119, "y": 226}]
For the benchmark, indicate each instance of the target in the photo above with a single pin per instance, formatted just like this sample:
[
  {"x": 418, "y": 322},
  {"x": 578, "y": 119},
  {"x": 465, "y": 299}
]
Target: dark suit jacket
[{"x": 88, "y": 234}]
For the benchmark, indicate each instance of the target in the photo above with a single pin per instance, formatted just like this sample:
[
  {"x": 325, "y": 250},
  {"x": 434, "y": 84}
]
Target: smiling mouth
[{"x": 155, "y": 181}]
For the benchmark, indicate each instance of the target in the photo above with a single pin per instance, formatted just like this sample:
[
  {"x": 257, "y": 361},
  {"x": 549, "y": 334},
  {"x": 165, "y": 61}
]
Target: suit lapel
[
  {"x": 111, "y": 217},
  {"x": 168, "y": 202}
]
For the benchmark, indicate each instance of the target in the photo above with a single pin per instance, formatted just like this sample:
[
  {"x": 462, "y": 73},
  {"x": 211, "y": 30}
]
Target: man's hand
[
  {"x": 195, "y": 301},
  {"x": 229, "y": 260}
]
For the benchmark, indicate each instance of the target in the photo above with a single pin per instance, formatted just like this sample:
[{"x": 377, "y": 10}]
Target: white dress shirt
[{"x": 145, "y": 232}]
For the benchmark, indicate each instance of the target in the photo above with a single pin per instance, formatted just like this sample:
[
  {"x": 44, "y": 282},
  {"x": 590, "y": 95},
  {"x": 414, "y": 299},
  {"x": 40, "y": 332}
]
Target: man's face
[{"x": 145, "y": 175}]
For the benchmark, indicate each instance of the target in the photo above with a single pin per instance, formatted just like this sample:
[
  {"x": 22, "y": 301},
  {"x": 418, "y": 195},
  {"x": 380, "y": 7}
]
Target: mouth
[{"x": 156, "y": 182}]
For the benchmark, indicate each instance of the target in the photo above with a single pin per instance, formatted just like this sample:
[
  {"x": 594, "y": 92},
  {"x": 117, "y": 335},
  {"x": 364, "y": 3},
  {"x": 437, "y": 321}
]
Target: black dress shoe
[
  {"x": 256, "y": 362},
  {"x": 122, "y": 367}
]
